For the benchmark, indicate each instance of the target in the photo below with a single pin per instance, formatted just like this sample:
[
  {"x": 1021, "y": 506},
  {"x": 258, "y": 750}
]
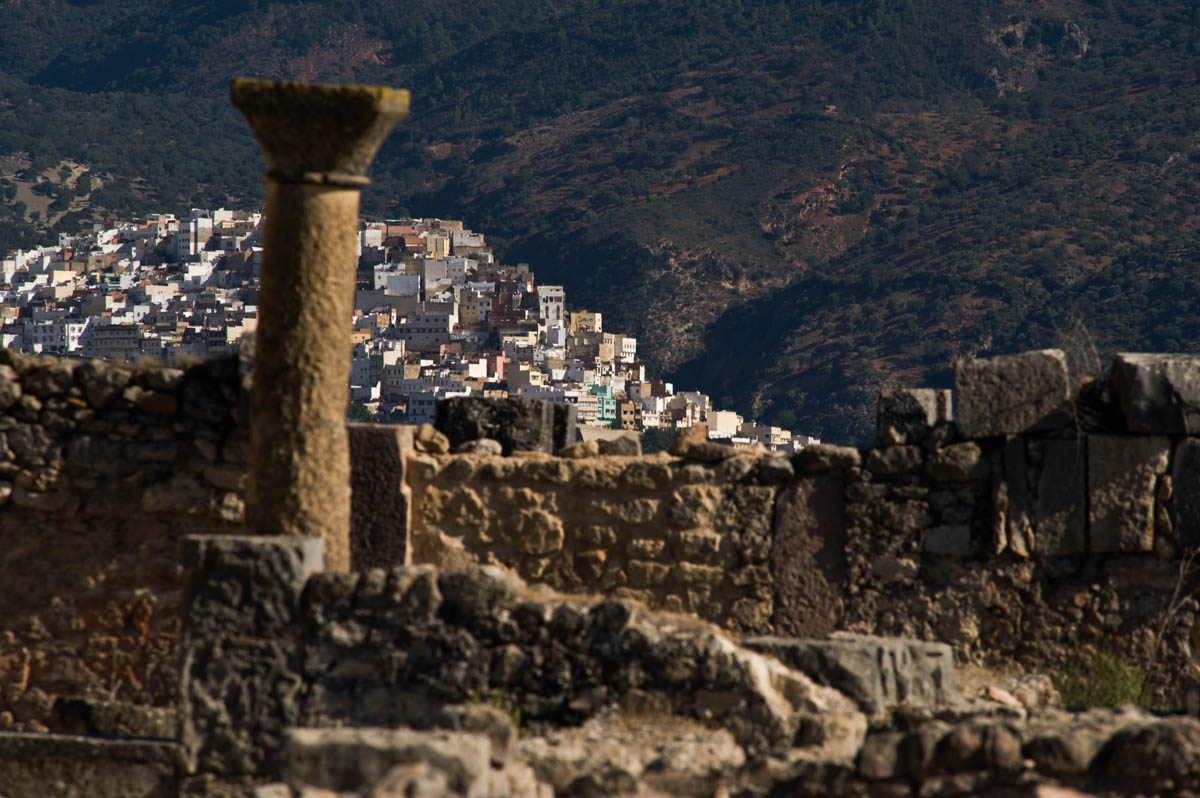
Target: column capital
[{"x": 317, "y": 133}]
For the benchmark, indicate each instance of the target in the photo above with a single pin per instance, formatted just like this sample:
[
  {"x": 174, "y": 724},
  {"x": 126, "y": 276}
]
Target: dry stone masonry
[
  {"x": 271, "y": 644},
  {"x": 1014, "y": 522},
  {"x": 410, "y": 678},
  {"x": 685, "y": 536},
  {"x": 103, "y": 469}
]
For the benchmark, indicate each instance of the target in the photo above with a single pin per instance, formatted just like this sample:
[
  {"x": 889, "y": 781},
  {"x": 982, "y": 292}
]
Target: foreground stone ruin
[{"x": 697, "y": 623}]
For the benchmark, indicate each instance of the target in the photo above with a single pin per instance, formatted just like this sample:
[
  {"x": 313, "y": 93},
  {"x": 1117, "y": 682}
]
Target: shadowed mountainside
[{"x": 791, "y": 204}]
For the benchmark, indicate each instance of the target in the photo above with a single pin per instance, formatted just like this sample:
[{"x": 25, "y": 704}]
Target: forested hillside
[{"x": 792, "y": 204}]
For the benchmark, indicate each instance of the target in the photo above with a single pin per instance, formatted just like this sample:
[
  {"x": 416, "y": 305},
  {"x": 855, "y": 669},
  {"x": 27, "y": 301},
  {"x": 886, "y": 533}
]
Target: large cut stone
[
  {"x": 239, "y": 696},
  {"x": 877, "y": 673},
  {"x": 948, "y": 541},
  {"x": 245, "y": 586},
  {"x": 904, "y": 415},
  {"x": 1060, "y": 513},
  {"x": 1185, "y": 474},
  {"x": 1010, "y": 394},
  {"x": 1017, "y": 500},
  {"x": 351, "y": 759},
  {"x": 1151, "y": 759},
  {"x": 1158, "y": 394},
  {"x": 808, "y": 564},
  {"x": 380, "y": 498},
  {"x": 1122, "y": 479},
  {"x": 957, "y": 462},
  {"x": 826, "y": 457},
  {"x": 518, "y": 424},
  {"x": 40, "y": 765},
  {"x": 566, "y": 421}
]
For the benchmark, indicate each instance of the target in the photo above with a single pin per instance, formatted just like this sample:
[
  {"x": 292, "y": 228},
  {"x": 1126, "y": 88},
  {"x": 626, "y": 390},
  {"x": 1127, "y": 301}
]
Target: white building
[
  {"x": 550, "y": 303},
  {"x": 59, "y": 335}
]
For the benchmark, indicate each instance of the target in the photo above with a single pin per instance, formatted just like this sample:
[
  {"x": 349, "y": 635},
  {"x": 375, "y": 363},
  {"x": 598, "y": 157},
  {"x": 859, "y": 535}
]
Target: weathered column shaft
[
  {"x": 300, "y": 483},
  {"x": 318, "y": 141}
]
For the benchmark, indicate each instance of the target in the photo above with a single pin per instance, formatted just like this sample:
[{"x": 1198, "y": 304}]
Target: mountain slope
[{"x": 790, "y": 203}]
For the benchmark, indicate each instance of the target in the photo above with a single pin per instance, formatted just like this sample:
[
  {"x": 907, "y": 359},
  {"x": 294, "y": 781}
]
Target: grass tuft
[{"x": 1108, "y": 681}]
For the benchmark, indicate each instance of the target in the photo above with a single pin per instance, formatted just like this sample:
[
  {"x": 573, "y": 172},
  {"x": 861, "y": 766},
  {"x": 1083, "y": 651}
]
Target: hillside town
[{"x": 435, "y": 316}]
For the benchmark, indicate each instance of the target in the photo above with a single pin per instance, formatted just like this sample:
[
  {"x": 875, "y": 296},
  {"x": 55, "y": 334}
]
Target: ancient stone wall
[
  {"x": 679, "y": 535},
  {"x": 103, "y": 469},
  {"x": 272, "y": 643},
  {"x": 1031, "y": 524},
  {"x": 1040, "y": 523},
  {"x": 1044, "y": 524}
]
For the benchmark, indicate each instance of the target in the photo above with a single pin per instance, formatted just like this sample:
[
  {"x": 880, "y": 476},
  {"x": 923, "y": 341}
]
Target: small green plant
[
  {"x": 1108, "y": 681},
  {"x": 500, "y": 700}
]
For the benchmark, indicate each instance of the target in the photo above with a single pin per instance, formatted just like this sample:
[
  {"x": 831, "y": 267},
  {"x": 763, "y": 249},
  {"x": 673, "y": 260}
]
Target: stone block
[
  {"x": 239, "y": 698},
  {"x": 826, "y": 457},
  {"x": 807, "y": 560},
  {"x": 643, "y": 573},
  {"x": 66, "y": 766},
  {"x": 958, "y": 462},
  {"x": 589, "y": 565},
  {"x": 429, "y": 439},
  {"x": 878, "y": 674},
  {"x": 538, "y": 532},
  {"x": 1185, "y": 478},
  {"x": 518, "y": 424},
  {"x": 52, "y": 378},
  {"x": 472, "y": 594},
  {"x": 566, "y": 422},
  {"x": 1060, "y": 510},
  {"x": 1014, "y": 499},
  {"x": 895, "y": 460},
  {"x": 698, "y": 545},
  {"x": 1010, "y": 394},
  {"x": 244, "y": 586},
  {"x": 581, "y": 450},
  {"x": 10, "y": 387},
  {"x": 880, "y": 757},
  {"x": 31, "y": 445},
  {"x": 1122, "y": 480},
  {"x": 355, "y": 759},
  {"x": 380, "y": 498},
  {"x": 773, "y": 470},
  {"x": 646, "y": 548},
  {"x": 1150, "y": 758},
  {"x": 483, "y": 447},
  {"x": 705, "y": 451},
  {"x": 1158, "y": 394},
  {"x": 904, "y": 415},
  {"x": 629, "y": 445},
  {"x": 949, "y": 541},
  {"x": 687, "y": 573},
  {"x": 736, "y": 469}
]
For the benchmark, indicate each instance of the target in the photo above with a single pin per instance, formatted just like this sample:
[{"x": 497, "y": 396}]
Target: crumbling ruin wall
[
  {"x": 103, "y": 469},
  {"x": 272, "y": 642},
  {"x": 1034, "y": 526},
  {"x": 1041, "y": 523},
  {"x": 1045, "y": 523},
  {"x": 679, "y": 535}
]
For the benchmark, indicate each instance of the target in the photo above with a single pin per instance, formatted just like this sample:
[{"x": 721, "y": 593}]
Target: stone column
[{"x": 318, "y": 141}]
